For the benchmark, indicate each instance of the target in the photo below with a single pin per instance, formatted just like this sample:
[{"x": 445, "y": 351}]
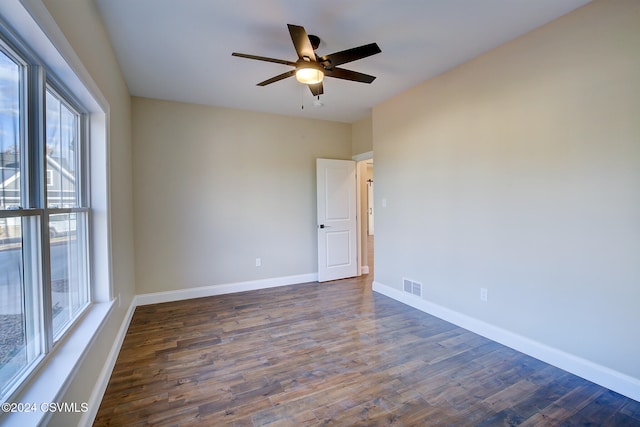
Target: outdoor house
[{"x": 61, "y": 189}]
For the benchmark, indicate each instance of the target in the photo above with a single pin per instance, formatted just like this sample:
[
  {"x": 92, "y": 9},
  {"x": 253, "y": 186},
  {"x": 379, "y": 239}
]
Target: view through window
[{"x": 44, "y": 217}]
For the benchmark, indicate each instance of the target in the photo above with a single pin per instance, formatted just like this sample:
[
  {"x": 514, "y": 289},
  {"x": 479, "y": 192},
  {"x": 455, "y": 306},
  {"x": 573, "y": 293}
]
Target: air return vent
[{"x": 412, "y": 287}]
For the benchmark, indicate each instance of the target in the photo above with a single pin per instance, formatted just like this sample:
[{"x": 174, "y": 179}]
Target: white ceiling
[{"x": 180, "y": 50}]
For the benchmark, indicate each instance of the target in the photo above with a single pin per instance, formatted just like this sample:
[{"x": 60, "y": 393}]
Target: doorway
[
  {"x": 370, "y": 215},
  {"x": 366, "y": 221}
]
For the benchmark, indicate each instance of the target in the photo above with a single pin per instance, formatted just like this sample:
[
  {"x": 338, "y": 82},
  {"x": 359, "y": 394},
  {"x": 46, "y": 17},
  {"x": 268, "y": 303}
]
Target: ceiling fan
[{"x": 310, "y": 68}]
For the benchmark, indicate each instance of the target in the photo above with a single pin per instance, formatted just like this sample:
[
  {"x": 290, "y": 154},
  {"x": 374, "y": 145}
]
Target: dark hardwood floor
[{"x": 334, "y": 354}]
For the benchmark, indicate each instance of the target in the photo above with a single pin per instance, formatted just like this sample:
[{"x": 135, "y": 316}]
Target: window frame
[{"x": 36, "y": 79}]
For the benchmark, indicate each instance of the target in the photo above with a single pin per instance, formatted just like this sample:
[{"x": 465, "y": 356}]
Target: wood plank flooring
[{"x": 334, "y": 354}]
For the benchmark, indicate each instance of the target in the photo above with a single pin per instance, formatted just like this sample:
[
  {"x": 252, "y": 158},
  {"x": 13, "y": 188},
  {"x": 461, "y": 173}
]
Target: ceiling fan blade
[
  {"x": 277, "y": 78},
  {"x": 264, "y": 58},
  {"x": 353, "y": 54},
  {"x": 316, "y": 89},
  {"x": 301, "y": 42},
  {"x": 341, "y": 73}
]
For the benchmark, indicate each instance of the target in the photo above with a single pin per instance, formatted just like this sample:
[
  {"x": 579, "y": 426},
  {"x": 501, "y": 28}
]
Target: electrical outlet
[
  {"x": 484, "y": 294},
  {"x": 258, "y": 262}
]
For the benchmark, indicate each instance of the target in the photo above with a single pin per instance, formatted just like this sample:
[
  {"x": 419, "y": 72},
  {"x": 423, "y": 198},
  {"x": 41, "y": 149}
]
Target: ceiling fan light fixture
[
  {"x": 310, "y": 69},
  {"x": 309, "y": 75}
]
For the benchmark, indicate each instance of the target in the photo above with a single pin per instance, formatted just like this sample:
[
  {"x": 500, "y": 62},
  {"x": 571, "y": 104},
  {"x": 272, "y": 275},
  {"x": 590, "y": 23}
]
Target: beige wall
[
  {"x": 81, "y": 25},
  {"x": 362, "y": 136},
  {"x": 520, "y": 172},
  {"x": 217, "y": 188}
]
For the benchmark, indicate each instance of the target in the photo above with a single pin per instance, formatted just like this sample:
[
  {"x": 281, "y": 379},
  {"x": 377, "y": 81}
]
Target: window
[
  {"x": 66, "y": 212},
  {"x": 44, "y": 215}
]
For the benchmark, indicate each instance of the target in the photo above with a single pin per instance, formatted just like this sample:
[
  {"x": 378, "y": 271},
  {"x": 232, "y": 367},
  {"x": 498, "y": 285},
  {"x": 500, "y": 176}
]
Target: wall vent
[
  {"x": 408, "y": 285},
  {"x": 412, "y": 287}
]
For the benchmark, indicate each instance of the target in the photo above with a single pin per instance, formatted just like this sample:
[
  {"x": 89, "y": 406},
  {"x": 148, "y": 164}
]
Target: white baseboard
[
  {"x": 207, "y": 291},
  {"x": 103, "y": 379},
  {"x": 606, "y": 377}
]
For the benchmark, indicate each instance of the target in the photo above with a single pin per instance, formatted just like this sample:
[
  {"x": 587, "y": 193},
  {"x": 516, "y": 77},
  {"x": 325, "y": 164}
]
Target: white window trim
[{"x": 32, "y": 22}]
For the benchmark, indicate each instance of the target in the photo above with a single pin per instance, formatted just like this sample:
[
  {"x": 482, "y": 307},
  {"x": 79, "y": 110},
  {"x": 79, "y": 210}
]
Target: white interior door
[{"x": 336, "y": 181}]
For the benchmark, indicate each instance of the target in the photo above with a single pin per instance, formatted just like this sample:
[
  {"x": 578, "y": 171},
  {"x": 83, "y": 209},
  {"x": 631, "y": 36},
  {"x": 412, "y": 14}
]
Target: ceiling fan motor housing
[{"x": 315, "y": 41}]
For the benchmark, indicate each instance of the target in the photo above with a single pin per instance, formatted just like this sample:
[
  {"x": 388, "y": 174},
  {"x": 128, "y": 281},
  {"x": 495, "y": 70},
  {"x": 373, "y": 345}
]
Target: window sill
[{"x": 51, "y": 380}]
